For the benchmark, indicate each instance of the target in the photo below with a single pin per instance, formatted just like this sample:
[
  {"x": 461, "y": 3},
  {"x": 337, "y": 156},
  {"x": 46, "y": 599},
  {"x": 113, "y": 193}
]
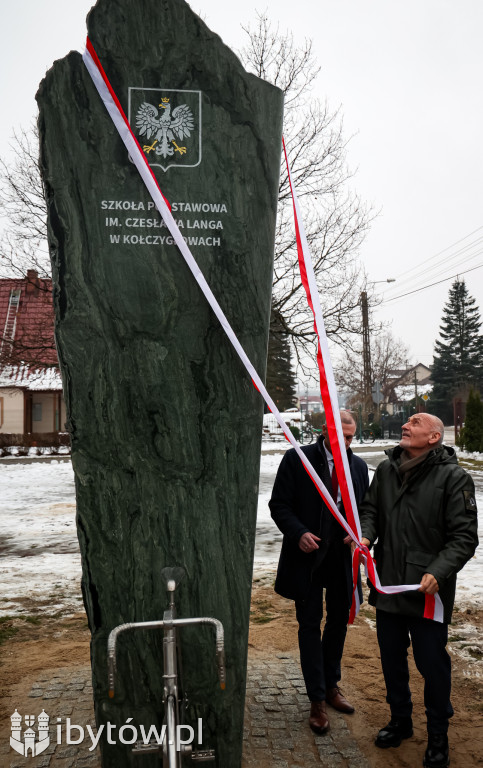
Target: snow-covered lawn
[{"x": 40, "y": 562}]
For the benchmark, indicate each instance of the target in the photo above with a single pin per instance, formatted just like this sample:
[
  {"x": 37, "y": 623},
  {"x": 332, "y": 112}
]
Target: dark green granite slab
[{"x": 165, "y": 422}]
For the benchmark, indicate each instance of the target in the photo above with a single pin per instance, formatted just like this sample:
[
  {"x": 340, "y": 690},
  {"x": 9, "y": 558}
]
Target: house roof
[
  {"x": 27, "y": 321},
  {"x": 28, "y": 357},
  {"x": 31, "y": 378},
  {"x": 27, "y": 329},
  {"x": 406, "y": 392},
  {"x": 402, "y": 373}
]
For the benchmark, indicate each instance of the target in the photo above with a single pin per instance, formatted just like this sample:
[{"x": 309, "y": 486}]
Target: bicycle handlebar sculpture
[{"x": 172, "y": 752}]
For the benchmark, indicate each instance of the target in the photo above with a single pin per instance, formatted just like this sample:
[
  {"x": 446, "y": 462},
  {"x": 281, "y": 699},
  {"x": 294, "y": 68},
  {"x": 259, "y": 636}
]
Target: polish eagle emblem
[{"x": 165, "y": 125}]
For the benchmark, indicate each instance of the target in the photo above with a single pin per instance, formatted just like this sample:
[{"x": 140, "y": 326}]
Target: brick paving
[
  {"x": 68, "y": 694},
  {"x": 276, "y": 731}
]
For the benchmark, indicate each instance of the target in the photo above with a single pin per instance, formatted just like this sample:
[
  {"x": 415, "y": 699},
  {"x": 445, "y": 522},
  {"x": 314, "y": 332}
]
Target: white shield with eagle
[{"x": 167, "y": 124}]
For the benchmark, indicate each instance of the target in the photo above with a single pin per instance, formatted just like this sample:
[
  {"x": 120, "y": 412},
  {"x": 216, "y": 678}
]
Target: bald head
[
  {"x": 438, "y": 426},
  {"x": 420, "y": 433}
]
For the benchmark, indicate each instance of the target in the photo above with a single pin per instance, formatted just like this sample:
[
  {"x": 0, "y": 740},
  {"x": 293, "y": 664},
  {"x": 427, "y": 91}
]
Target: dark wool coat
[
  {"x": 426, "y": 523},
  {"x": 297, "y": 508}
]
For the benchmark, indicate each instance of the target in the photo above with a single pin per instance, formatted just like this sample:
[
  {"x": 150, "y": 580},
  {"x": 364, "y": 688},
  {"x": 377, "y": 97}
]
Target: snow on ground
[
  {"x": 40, "y": 562},
  {"x": 475, "y": 456},
  {"x": 269, "y": 538}
]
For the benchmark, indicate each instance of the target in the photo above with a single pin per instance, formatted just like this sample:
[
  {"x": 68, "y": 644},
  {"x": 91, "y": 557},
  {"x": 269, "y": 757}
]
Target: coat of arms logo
[
  {"x": 167, "y": 123},
  {"x": 30, "y": 744}
]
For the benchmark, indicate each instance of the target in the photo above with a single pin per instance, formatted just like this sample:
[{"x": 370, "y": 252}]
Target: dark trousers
[
  {"x": 428, "y": 638},
  {"x": 320, "y": 657}
]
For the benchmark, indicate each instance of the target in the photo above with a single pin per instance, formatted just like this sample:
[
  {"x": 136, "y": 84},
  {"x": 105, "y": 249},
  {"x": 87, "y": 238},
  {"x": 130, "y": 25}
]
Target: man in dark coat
[
  {"x": 316, "y": 555},
  {"x": 421, "y": 514}
]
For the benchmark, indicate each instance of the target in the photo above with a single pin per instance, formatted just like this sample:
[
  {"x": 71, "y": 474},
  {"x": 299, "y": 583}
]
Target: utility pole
[
  {"x": 377, "y": 398},
  {"x": 366, "y": 347},
  {"x": 366, "y": 351}
]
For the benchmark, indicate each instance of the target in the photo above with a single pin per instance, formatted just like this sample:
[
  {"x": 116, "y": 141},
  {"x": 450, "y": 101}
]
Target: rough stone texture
[{"x": 165, "y": 422}]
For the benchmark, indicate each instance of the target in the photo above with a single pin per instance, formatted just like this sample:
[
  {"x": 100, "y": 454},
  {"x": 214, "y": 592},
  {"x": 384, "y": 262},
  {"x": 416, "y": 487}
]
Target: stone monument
[{"x": 165, "y": 423}]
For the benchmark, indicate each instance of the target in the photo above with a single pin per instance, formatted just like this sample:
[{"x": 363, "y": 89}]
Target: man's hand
[
  {"x": 366, "y": 542},
  {"x": 350, "y": 541},
  {"x": 429, "y": 585},
  {"x": 308, "y": 542}
]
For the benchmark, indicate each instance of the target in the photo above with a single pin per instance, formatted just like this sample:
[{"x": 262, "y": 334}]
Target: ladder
[{"x": 11, "y": 320}]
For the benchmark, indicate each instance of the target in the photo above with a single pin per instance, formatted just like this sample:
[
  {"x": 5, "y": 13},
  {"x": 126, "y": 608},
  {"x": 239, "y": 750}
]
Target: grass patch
[
  {"x": 367, "y": 613},
  {"x": 471, "y": 464},
  {"x": 262, "y": 619},
  {"x": 263, "y": 605},
  {"x": 10, "y": 625},
  {"x": 7, "y": 630},
  {"x": 262, "y": 612}
]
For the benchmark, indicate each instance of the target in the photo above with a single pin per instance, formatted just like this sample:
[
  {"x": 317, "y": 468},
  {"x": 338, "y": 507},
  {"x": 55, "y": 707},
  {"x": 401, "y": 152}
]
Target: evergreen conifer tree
[
  {"x": 472, "y": 434},
  {"x": 458, "y": 355},
  {"x": 281, "y": 383}
]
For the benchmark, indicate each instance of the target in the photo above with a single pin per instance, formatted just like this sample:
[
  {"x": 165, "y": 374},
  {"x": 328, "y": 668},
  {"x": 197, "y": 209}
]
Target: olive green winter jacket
[{"x": 426, "y": 523}]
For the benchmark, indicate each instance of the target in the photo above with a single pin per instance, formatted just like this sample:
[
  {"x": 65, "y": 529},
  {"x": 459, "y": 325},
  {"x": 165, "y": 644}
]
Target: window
[{"x": 37, "y": 412}]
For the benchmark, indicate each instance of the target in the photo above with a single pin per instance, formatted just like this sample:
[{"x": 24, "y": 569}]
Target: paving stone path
[
  {"x": 276, "y": 731},
  {"x": 68, "y": 694}
]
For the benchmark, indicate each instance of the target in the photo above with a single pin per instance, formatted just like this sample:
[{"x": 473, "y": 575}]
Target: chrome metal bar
[
  {"x": 112, "y": 642},
  {"x": 220, "y": 642},
  {"x": 111, "y": 646},
  {"x": 171, "y": 717}
]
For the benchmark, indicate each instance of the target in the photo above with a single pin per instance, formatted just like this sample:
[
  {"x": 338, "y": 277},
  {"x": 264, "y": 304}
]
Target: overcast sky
[{"x": 408, "y": 75}]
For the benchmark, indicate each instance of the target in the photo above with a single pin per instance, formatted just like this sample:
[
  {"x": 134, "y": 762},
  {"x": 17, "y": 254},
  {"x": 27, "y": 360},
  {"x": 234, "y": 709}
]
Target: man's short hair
[{"x": 346, "y": 417}]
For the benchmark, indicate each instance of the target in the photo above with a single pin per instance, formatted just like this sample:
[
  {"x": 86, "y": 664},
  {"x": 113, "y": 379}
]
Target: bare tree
[
  {"x": 335, "y": 219},
  {"x": 22, "y": 206},
  {"x": 24, "y": 256},
  {"x": 388, "y": 355}
]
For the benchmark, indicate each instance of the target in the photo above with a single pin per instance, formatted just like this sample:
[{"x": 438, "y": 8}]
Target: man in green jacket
[{"x": 420, "y": 512}]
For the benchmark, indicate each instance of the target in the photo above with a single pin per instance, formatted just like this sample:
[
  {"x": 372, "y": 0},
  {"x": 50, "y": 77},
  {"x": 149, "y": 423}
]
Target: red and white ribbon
[
  {"x": 433, "y": 605},
  {"x": 138, "y": 157},
  {"x": 352, "y": 525}
]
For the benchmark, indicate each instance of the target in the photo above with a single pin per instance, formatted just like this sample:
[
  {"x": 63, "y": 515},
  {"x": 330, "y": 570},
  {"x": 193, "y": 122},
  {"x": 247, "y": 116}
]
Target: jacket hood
[{"x": 445, "y": 454}]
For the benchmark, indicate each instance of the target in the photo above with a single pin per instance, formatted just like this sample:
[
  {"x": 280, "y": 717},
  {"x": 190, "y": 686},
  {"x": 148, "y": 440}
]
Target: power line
[
  {"x": 427, "y": 270},
  {"x": 422, "y": 282},
  {"x": 444, "y": 280},
  {"x": 455, "y": 259},
  {"x": 443, "y": 251}
]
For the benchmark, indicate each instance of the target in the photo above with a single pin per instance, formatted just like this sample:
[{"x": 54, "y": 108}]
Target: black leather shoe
[
  {"x": 397, "y": 730},
  {"x": 437, "y": 753}
]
